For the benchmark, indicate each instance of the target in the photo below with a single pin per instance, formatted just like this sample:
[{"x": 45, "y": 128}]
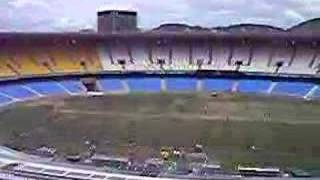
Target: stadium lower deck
[{"x": 22, "y": 90}]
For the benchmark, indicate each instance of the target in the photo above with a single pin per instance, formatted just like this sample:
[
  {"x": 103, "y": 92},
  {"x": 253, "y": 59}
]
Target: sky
[{"x": 72, "y": 15}]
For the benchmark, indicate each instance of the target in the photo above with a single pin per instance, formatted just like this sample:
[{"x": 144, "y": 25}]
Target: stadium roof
[{"x": 272, "y": 36}]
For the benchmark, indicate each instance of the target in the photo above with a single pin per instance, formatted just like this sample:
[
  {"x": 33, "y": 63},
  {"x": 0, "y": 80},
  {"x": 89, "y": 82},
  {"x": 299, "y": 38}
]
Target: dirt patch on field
[{"x": 228, "y": 122}]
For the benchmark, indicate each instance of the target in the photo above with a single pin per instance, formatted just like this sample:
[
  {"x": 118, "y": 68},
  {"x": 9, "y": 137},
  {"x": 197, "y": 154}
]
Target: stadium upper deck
[{"x": 29, "y": 54}]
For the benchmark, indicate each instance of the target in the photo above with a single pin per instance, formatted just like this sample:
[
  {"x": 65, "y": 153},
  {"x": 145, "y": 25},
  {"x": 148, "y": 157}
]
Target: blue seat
[
  {"x": 219, "y": 85},
  {"x": 316, "y": 94},
  {"x": 253, "y": 86},
  {"x": 16, "y": 91},
  {"x": 144, "y": 84},
  {"x": 4, "y": 100},
  {"x": 46, "y": 87},
  {"x": 72, "y": 85},
  {"x": 292, "y": 88},
  {"x": 111, "y": 84},
  {"x": 181, "y": 84}
]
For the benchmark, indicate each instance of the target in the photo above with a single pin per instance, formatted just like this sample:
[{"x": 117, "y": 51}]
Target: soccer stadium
[{"x": 122, "y": 103}]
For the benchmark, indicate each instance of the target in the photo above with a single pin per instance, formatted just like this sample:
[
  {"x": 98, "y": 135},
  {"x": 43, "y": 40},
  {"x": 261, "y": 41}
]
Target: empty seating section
[
  {"x": 108, "y": 62},
  {"x": 144, "y": 84},
  {"x": 103, "y": 56},
  {"x": 39, "y": 60},
  {"x": 219, "y": 85},
  {"x": 64, "y": 61},
  {"x": 140, "y": 57},
  {"x": 180, "y": 57},
  {"x": 181, "y": 84},
  {"x": 5, "y": 71},
  {"x": 89, "y": 55},
  {"x": 316, "y": 94},
  {"x": 4, "y": 100},
  {"x": 62, "y": 56},
  {"x": 46, "y": 87},
  {"x": 25, "y": 63},
  {"x": 111, "y": 84},
  {"x": 316, "y": 64},
  {"x": 253, "y": 86},
  {"x": 282, "y": 54},
  {"x": 120, "y": 52},
  {"x": 161, "y": 52},
  {"x": 301, "y": 61},
  {"x": 292, "y": 88},
  {"x": 28, "y": 89},
  {"x": 240, "y": 53},
  {"x": 220, "y": 56},
  {"x": 72, "y": 85},
  {"x": 260, "y": 58},
  {"x": 200, "y": 52},
  {"x": 16, "y": 91}
]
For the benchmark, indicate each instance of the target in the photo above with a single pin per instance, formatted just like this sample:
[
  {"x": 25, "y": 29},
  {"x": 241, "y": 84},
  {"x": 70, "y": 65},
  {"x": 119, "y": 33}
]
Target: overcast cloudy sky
[{"x": 69, "y": 15}]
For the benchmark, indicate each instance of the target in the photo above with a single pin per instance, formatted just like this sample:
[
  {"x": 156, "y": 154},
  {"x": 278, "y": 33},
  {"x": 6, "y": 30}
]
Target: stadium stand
[
  {"x": 200, "y": 52},
  {"x": 4, "y": 100},
  {"x": 18, "y": 60},
  {"x": 316, "y": 94},
  {"x": 220, "y": 56},
  {"x": 180, "y": 57},
  {"x": 23, "y": 90},
  {"x": 144, "y": 84},
  {"x": 73, "y": 86},
  {"x": 120, "y": 52},
  {"x": 161, "y": 51},
  {"x": 241, "y": 56},
  {"x": 219, "y": 85},
  {"x": 301, "y": 62},
  {"x": 140, "y": 57},
  {"x": 16, "y": 91},
  {"x": 281, "y": 53},
  {"x": 292, "y": 88},
  {"x": 63, "y": 60},
  {"x": 5, "y": 71},
  {"x": 62, "y": 55},
  {"x": 46, "y": 87},
  {"x": 25, "y": 63},
  {"x": 89, "y": 59},
  {"x": 111, "y": 85},
  {"x": 106, "y": 56},
  {"x": 253, "y": 86},
  {"x": 181, "y": 84},
  {"x": 77, "y": 58},
  {"x": 261, "y": 56},
  {"x": 43, "y": 59}
]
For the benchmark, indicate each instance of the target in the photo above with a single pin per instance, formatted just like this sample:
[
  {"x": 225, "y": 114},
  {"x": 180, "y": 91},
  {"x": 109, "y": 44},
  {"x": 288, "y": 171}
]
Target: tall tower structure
[{"x": 117, "y": 21}]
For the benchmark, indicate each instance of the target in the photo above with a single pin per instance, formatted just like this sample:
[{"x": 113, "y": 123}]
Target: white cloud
[
  {"x": 259, "y": 20},
  {"x": 60, "y": 15},
  {"x": 293, "y": 15},
  {"x": 24, "y": 3},
  {"x": 117, "y": 6}
]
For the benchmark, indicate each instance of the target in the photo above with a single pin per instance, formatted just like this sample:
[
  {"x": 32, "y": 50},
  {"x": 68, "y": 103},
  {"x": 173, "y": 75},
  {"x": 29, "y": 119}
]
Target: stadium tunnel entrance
[{"x": 90, "y": 84}]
